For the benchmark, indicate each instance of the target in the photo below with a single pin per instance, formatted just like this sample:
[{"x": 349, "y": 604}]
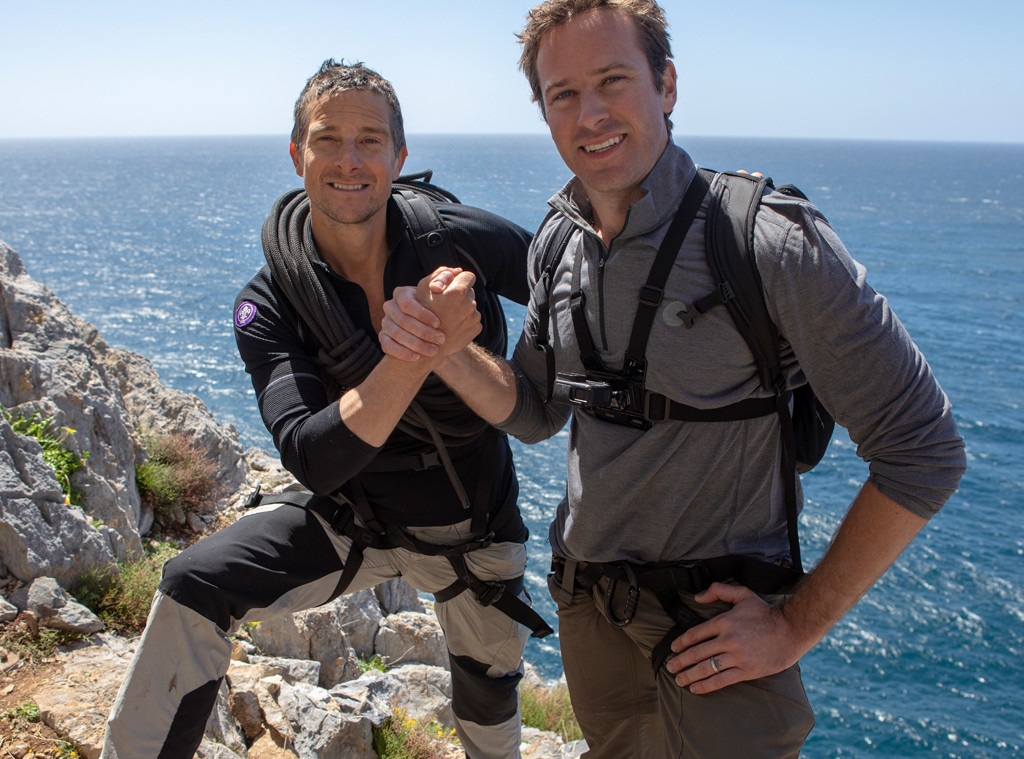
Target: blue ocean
[{"x": 150, "y": 239}]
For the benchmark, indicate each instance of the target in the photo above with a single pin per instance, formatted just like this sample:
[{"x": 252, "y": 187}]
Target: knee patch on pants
[{"x": 479, "y": 698}]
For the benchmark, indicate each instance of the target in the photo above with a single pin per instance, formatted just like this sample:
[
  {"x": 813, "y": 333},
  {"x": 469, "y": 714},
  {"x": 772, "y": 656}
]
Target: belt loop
[{"x": 568, "y": 581}]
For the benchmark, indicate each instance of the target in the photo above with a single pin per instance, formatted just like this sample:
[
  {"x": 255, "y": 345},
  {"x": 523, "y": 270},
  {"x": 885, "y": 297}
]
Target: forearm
[
  {"x": 373, "y": 408},
  {"x": 872, "y": 536},
  {"x": 483, "y": 381},
  {"x": 754, "y": 639}
]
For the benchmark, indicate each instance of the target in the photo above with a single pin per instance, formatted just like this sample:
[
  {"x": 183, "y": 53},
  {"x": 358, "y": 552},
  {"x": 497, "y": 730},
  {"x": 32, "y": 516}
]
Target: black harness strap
[
  {"x": 666, "y": 581},
  {"x": 659, "y": 408},
  {"x": 336, "y": 515},
  {"x": 653, "y": 291},
  {"x": 484, "y": 483},
  {"x": 503, "y": 596},
  {"x": 634, "y": 362},
  {"x": 693, "y": 577}
]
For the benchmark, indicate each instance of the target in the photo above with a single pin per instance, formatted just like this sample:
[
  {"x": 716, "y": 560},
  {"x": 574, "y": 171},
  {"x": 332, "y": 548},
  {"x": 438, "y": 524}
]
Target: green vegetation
[
  {"x": 549, "y": 708},
  {"x": 401, "y": 737},
  {"x": 375, "y": 663},
  {"x": 25, "y": 639},
  {"x": 66, "y": 750},
  {"x": 64, "y": 461},
  {"x": 21, "y": 714},
  {"x": 545, "y": 708},
  {"x": 122, "y": 599},
  {"x": 21, "y": 718},
  {"x": 177, "y": 473}
]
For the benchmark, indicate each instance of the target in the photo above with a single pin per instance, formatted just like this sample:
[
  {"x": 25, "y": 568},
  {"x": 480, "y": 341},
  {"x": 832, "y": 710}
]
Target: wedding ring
[{"x": 715, "y": 664}]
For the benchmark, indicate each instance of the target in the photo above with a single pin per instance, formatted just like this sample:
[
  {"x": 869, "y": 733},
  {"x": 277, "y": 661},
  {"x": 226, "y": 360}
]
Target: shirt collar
[{"x": 663, "y": 190}]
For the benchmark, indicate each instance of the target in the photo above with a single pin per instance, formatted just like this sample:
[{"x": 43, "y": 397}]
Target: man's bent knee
[{"x": 479, "y": 698}]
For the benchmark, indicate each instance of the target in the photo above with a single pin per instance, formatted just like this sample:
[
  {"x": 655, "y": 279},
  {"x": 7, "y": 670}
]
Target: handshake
[{"x": 433, "y": 320}]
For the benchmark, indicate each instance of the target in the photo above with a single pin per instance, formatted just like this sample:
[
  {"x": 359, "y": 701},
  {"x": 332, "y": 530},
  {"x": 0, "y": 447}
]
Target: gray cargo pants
[{"x": 279, "y": 559}]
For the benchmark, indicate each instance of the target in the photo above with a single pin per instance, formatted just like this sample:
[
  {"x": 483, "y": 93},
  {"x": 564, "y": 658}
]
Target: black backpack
[
  {"x": 729, "y": 247},
  {"x": 416, "y": 195},
  {"x": 729, "y": 244}
]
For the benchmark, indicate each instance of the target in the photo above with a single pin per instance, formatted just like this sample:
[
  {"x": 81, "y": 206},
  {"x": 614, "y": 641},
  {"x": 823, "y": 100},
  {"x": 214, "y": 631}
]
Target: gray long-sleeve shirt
[{"x": 684, "y": 490}]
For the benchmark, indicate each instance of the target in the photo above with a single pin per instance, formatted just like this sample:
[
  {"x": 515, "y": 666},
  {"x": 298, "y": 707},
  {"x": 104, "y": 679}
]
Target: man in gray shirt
[{"x": 661, "y": 523}]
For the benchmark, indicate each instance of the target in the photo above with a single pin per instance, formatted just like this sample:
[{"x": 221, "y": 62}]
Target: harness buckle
[
  {"x": 694, "y": 577},
  {"x": 651, "y": 296},
  {"x": 484, "y": 541},
  {"x": 632, "y": 596},
  {"x": 253, "y": 498},
  {"x": 656, "y": 407},
  {"x": 488, "y": 593},
  {"x": 428, "y": 460}
]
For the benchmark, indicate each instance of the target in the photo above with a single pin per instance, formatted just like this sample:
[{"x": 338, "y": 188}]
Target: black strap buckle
[
  {"x": 651, "y": 296},
  {"x": 632, "y": 596},
  {"x": 656, "y": 407},
  {"x": 487, "y": 593},
  {"x": 253, "y": 498},
  {"x": 429, "y": 460},
  {"x": 693, "y": 577}
]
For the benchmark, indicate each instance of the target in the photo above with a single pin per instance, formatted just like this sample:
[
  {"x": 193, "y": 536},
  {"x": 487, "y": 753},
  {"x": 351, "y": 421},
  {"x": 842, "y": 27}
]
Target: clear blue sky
[{"x": 874, "y": 69}]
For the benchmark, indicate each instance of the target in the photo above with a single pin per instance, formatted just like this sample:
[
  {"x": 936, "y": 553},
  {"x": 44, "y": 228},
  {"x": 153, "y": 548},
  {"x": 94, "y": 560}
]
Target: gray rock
[
  {"x": 421, "y": 691},
  {"x": 293, "y": 670},
  {"x": 40, "y": 535},
  {"x": 76, "y": 701},
  {"x": 8, "y": 611},
  {"x": 222, "y": 727},
  {"x": 324, "y": 634},
  {"x": 410, "y": 637},
  {"x": 54, "y": 608},
  {"x": 211, "y": 750},
  {"x": 102, "y": 401},
  {"x": 398, "y": 595},
  {"x": 320, "y": 728}
]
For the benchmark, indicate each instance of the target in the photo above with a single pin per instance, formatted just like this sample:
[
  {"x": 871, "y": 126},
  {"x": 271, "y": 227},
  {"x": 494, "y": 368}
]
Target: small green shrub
[
  {"x": 177, "y": 473},
  {"x": 122, "y": 599},
  {"x": 401, "y": 737},
  {"x": 549, "y": 708},
  {"x": 66, "y": 750},
  {"x": 375, "y": 663},
  {"x": 25, "y": 639},
  {"x": 63, "y": 460},
  {"x": 21, "y": 714}
]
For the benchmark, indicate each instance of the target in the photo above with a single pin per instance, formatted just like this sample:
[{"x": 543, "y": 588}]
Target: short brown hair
[
  {"x": 334, "y": 77},
  {"x": 647, "y": 16}
]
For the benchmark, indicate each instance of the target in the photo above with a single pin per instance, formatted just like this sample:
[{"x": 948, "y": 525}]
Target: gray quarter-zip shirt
[{"x": 688, "y": 490}]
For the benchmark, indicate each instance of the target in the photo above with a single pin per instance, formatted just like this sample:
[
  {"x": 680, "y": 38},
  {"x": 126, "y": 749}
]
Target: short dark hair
[
  {"x": 335, "y": 77},
  {"x": 646, "y": 15}
]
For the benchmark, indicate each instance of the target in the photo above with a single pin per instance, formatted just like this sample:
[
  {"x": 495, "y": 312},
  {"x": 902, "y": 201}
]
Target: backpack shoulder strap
[
  {"x": 541, "y": 294},
  {"x": 430, "y": 235},
  {"x": 418, "y": 200},
  {"x": 729, "y": 245}
]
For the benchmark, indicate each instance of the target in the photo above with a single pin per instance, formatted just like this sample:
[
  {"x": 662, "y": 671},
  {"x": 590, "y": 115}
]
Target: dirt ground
[{"x": 19, "y": 738}]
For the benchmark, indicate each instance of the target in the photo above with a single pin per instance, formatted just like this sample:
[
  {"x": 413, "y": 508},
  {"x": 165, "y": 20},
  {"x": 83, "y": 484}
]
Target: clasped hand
[{"x": 433, "y": 320}]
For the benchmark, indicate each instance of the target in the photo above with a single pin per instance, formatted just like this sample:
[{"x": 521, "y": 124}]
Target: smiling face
[
  {"x": 348, "y": 158},
  {"x": 605, "y": 111}
]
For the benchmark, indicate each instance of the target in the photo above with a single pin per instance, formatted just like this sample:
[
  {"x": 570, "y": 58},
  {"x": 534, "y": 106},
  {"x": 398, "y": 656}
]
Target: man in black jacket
[{"x": 403, "y": 479}]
